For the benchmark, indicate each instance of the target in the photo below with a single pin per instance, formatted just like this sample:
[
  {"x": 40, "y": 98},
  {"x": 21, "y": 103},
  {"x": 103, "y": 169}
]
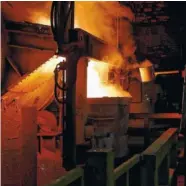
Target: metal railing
[
  {"x": 157, "y": 159},
  {"x": 124, "y": 169},
  {"x": 75, "y": 176},
  {"x": 153, "y": 170}
]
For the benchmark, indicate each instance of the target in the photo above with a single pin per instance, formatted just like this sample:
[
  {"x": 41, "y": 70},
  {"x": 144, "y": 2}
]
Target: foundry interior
[{"x": 93, "y": 93}]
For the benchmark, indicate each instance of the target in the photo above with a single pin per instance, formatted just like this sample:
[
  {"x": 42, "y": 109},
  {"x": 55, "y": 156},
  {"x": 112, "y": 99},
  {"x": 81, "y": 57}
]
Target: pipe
[
  {"x": 4, "y": 52},
  {"x": 167, "y": 72},
  {"x": 60, "y": 14}
]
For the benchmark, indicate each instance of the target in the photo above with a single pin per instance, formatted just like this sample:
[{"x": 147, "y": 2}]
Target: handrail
[
  {"x": 162, "y": 145},
  {"x": 126, "y": 166},
  {"x": 149, "y": 117},
  {"x": 154, "y": 164},
  {"x": 155, "y": 116},
  {"x": 69, "y": 178},
  {"x": 156, "y": 159}
]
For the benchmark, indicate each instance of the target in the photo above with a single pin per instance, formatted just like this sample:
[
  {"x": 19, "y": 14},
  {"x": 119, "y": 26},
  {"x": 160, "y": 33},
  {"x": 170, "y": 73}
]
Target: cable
[
  {"x": 61, "y": 67},
  {"x": 60, "y": 13}
]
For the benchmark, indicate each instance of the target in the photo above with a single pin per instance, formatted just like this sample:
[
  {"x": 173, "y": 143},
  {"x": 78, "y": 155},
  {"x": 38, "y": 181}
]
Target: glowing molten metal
[{"x": 97, "y": 82}]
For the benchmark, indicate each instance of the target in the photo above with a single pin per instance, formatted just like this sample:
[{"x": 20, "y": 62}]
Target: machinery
[
  {"x": 55, "y": 98},
  {"x": 75, "y": 48},
  {"x": 63, "y": 78},
  {"x": 78, "y": 40}
]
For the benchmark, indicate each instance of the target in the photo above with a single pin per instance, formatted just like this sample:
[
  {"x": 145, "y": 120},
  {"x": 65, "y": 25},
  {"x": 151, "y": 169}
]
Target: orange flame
[{"x": 97, "y": 82}]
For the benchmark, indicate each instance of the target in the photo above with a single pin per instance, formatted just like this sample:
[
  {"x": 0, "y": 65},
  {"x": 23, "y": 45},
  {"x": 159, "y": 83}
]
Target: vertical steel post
[{"x": 99, "y": 169}]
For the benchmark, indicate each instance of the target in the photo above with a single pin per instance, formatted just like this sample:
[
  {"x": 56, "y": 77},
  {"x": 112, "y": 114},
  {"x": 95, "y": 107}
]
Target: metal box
[
  {"x": 110, "y": 114},
  {"x": 110, "y": 117}
]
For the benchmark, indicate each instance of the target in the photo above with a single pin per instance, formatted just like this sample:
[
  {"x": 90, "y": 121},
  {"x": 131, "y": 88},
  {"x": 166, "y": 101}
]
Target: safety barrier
[
  {"x": 157, "y": 159},
  {"x": 74, "y": 176},
  {"x": 125, "y": 168},
  {"x": 103, "y": 160},
  {"x": 147, "y": 120},
  {"x": 153, "y": 166}
]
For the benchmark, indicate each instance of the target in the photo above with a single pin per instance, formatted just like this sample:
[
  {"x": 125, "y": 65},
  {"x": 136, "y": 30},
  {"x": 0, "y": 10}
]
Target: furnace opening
[{"x": 98, "y": 84}]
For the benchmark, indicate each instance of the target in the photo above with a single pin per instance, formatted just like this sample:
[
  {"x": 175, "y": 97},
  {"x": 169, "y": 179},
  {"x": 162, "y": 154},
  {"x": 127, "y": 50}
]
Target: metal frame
[
  {"x": 156, "y": 159},
  {"x": 125, "y": 167},
  {"x": 71, "y": 177}
]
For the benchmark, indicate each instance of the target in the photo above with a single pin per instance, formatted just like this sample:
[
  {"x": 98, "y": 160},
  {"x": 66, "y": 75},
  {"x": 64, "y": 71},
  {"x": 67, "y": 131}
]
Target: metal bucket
[{"x": 147, "y": 73}]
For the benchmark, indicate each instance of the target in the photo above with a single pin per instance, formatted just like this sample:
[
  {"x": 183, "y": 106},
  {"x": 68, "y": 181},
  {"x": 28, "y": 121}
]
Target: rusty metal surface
[
  {"x": 35, "y": 89},
  {"x": 156, "y": 116},
  {"x": 47, "y": 121},
  {"x": 107, "y": 106}
]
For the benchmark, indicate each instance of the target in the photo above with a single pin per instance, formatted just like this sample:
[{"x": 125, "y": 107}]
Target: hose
[
  {"x": 60, "y": 12},
  {"x": 61, "y": 67}
]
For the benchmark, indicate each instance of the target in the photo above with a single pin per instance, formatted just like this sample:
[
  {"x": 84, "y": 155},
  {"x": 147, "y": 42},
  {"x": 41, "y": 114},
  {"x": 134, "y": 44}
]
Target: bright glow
[
  {"x": 48, "y": 67},
  {"x": 97, "y": 82},
  {"x": 167, "y": 72},
  {"x": 42, "y": 20},
  {"x": 40, "y": 75},
  {"x": 37, "y": 88},
  {"x": 61, "y": 58},
  {"x": 147, "y": 74}
]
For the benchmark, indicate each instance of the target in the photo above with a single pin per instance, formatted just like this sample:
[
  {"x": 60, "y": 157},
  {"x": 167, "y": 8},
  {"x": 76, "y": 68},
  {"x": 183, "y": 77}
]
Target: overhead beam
[
  {"x": 30, "y": 36},
  {"x": 28, "y": 28},
  {"x": 93, "y": 46},
  {"x": 30, "y": 47}
]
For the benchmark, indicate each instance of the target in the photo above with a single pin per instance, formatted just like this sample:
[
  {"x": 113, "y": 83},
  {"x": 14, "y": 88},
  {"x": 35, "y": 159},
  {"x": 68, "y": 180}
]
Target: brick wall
[{"x": 151, "y": 25}]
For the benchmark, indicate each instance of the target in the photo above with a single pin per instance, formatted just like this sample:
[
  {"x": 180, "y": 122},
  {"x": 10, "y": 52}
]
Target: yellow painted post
[
  {"x": 147, "y": 133},
  {"x": 164, "y": 171},
  {"x": 99, "y": 168},
  {"x": 148, "y": 172}
]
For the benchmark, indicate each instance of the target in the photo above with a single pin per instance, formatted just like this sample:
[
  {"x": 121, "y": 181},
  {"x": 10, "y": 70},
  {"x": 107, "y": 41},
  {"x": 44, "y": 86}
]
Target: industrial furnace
[
  {"x": 36, "y": 90},
  {"x": 74, "y": 57},
  {"x": 109, "y": 117}
]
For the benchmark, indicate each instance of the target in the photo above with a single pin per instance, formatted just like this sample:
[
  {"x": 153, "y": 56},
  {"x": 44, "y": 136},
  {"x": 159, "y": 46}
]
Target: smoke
[
  {"x": 42, "y": 15},
  {"x": 29, "y": 11},
  {"x": 100, "y": 18},
  {"x": 107, "y": 21}
]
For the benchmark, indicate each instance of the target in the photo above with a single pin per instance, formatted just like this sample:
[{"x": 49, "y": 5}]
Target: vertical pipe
[
  {"x": 69, "y": 131},
  {"x": 72, "y": 14},
  {"x": 147, "y": 133},
  {"x": 62, "y": 19},
  {"x": 185, "y": 153},
  {"x": 164, "y": 171}
]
